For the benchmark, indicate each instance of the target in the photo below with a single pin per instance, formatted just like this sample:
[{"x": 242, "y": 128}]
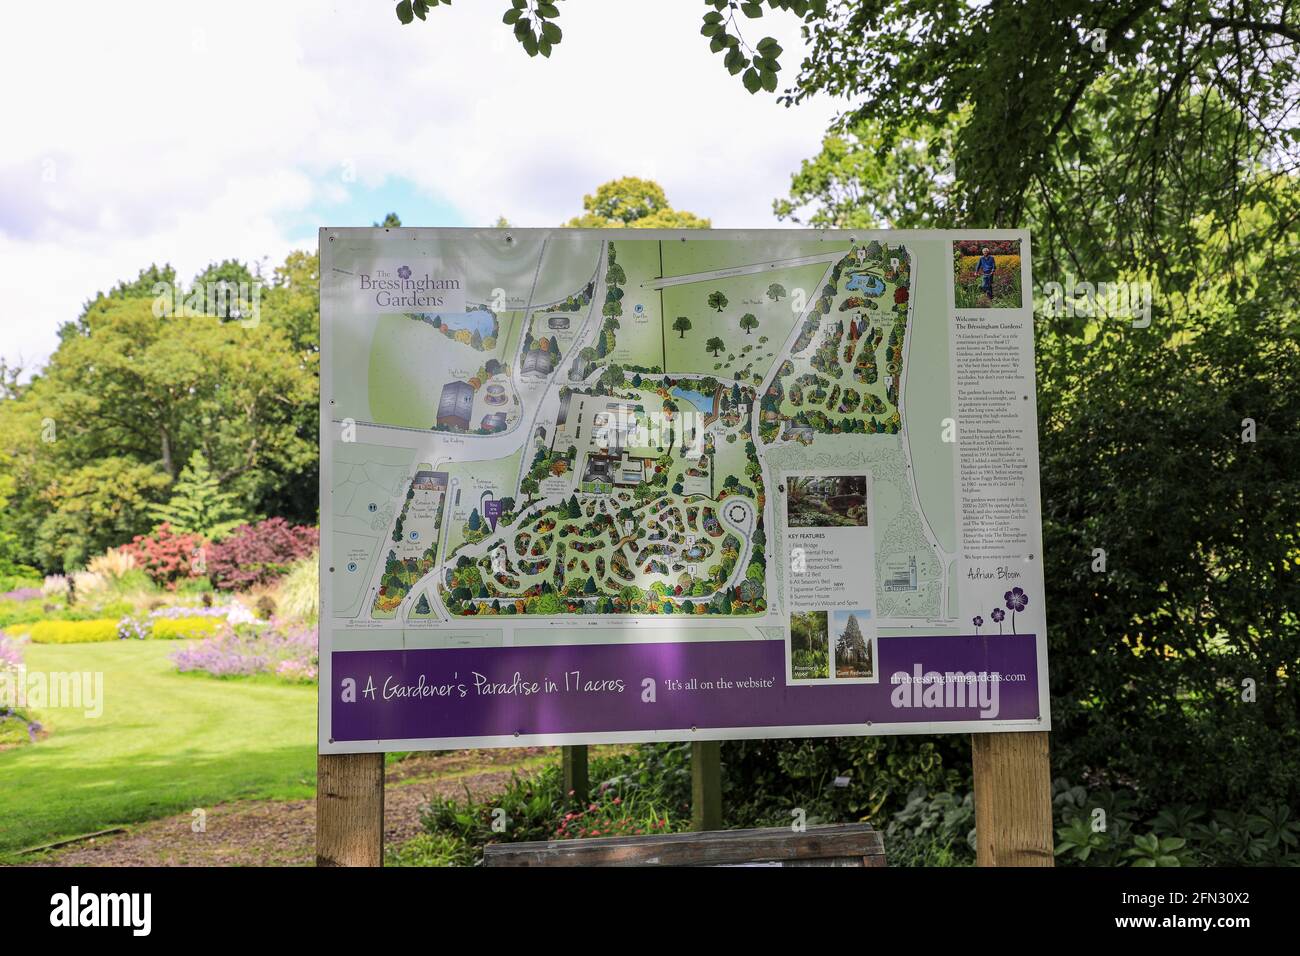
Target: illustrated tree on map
[
  {"x": 749, "y": 322},
  {"x": 776, "y": 292},
  {"x": 717, "y": 301},
  {"x": 715, "y": 345},
  {"x": 681, "y": 325}
]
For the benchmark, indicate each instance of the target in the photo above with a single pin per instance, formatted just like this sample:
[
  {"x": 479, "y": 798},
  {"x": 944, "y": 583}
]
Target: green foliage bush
[
  {"x": 1173, "y": 672},
  {"x": 647, "y": 789},
  {"x": 1104, "y": 827}
]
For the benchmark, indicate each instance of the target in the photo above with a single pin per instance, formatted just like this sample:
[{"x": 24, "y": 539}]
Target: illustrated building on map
[
  {"x": 455, "y": 405},
  {"x": 622, "y": 471},
  {"x": 430, "y": 481},
  {"x": 902, "y": 579},
  {"x": 494, "y": 422},
  {"x": 581, "y": 369}
]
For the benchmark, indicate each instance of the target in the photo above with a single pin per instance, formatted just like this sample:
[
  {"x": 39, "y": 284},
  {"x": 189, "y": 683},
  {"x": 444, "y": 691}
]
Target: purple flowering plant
[{"x": 1016, "y": 600}]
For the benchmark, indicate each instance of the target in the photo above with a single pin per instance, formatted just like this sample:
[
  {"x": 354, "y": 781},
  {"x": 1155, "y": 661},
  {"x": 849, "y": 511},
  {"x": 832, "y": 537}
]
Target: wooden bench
[{"x": 846, "y": 844}]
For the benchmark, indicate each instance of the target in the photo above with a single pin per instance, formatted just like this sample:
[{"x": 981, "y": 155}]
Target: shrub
[
  {"x": 112, "y": 564},
  {"x": 70, "y": 632},
  {"x": 299, "y": 590},
  {"x": 167, "y": 558},
  {"x": 17, "y": 582},
  {"x": 1106, "y": 827},
  {"x": 174, "y": 629},
  {"x": 259, "y": 553},
  {"x": 647, "y": 789}
]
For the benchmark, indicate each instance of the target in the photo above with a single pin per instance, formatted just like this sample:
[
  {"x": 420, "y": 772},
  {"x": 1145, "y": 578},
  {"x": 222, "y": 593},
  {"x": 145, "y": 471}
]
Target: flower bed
[{"x": 287, "y": 653}]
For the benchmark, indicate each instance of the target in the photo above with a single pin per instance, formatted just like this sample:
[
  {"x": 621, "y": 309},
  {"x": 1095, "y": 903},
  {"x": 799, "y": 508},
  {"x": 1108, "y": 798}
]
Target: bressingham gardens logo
[
  {"x": 75, "y": 908},
  {"x": 403, "y": 289}
]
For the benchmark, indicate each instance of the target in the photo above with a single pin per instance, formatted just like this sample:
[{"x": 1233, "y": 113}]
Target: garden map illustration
[{"x": 549, "y": 437}]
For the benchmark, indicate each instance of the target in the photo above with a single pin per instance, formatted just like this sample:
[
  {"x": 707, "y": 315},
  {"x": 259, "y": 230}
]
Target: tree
[
  {"x": 681, "y": 325},
  {"x": 199, "y": 506},
  {"x": 857, "y": 182},
  {"x": 776, "y": 292},
  {"x": 391, "y": 221},
  {"x": 475, "y": 522},
  {"x": 126, "y": 384},
  {"x": 422, "y": 605},
  {"x": 717, "y": 301},
  {"x": 715, "y": 345},
  {"x": 90, "y": 509},
  {"x": 748, "y": 322},
  {"x": 633, "y": 203}
]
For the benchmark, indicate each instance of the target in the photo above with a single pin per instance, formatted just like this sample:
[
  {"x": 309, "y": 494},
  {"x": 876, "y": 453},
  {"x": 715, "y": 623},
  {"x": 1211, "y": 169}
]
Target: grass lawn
[{"x": 166, "y": 743}]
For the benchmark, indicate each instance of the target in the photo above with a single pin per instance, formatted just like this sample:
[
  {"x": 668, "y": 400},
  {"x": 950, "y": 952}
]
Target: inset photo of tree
[
  {"x": 986, "y": 274},
  {"x": 810, "y": 657},
  {"x": 855, "y": 644},
  {"x": 826, "y": 501}
]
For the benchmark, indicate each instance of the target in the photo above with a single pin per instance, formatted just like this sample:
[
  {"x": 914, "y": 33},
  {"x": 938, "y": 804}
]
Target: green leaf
[
  {"x": 512, "y": 16},
  {"x": 404, "y": 13},
  {"x": 548, "y": 10},
  {"x": 717, "y": 44},
  {"x": 752, "y": 10},
  {"x": 420, "y": 8},
  {"x": 551, "y": 33},
  {"x": 544, "y": 47},
  {"x": 711, "y": 29},
  {"x": 752, "y": 80},
  {"x": 768, "y": 79},
  {"x": 522, "y": 30}
]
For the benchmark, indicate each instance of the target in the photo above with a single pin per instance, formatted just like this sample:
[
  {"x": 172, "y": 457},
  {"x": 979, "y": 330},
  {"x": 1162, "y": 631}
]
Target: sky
[{"x": 191, "y": 133}]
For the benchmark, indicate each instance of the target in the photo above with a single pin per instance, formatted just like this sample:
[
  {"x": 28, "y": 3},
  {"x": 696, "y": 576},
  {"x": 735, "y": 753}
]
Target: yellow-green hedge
[
  {"x": 68, "y": 632},
  {"x": 87, "y": 632},
  {"x": 171, "y": 629}
]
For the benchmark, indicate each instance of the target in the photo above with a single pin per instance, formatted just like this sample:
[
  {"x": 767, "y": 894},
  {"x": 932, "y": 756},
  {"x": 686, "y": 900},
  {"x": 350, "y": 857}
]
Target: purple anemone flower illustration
[
  {"x": 978, "y": 622},
  {"x": 404, "y": 272},
  {"x": 1016, "y": 600},
  {"x": 998, "y": 616}
]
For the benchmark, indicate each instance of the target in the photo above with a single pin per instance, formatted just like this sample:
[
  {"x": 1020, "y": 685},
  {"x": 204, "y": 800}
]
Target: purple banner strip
[{"x": 599, "y": 688}]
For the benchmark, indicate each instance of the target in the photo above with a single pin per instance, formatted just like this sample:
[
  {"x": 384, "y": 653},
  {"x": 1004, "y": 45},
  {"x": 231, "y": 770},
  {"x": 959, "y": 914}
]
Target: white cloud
[{"x": 189, "y": 133}]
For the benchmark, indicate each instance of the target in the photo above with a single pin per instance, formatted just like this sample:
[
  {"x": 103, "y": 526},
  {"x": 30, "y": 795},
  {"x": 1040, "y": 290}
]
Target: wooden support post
[
  {"x": 706, "y": 785},
  {"x": 1013, "y": 799},
  {"x": 350, "y": 810},
  {"x": 573, "y": 763}
]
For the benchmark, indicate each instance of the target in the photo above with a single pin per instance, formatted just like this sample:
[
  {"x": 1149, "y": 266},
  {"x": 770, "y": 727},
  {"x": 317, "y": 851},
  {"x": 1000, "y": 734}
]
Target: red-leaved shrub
[
  {"x": 257, "y": 553},
  {"x": 167, "y": 557}
]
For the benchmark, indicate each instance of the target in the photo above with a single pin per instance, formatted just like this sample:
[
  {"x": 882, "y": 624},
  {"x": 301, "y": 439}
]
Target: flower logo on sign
[
  {"x": 1016, "y": 600},
  {"x": 998, "y": 616},
  {"x": 978, "y": 622},
  {"x": 404, "y": 272}
]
